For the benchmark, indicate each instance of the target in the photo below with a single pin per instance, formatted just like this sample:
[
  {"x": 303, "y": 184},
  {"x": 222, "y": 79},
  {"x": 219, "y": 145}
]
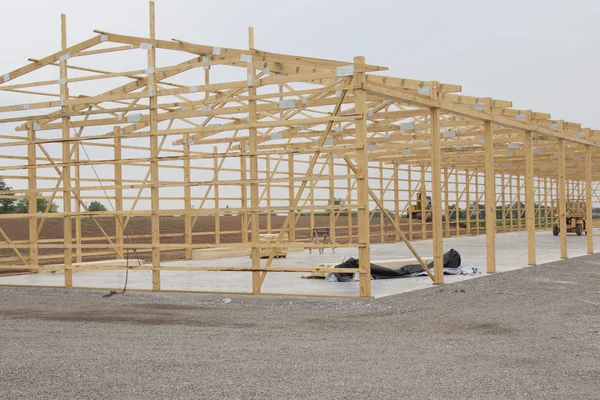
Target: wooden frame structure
[{"x": 279, "y": 138}]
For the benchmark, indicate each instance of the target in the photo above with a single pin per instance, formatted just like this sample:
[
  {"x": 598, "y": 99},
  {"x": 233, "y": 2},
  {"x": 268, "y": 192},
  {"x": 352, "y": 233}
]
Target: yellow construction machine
[
  {"x": 416, "y": 210},
  {"x": 575, "y": 216}
]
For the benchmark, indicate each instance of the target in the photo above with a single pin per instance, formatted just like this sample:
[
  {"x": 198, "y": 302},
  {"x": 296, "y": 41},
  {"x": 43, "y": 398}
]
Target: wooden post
[
  {"x": 477, "y": 197},
  {"x": 410, "y": 202},
  {"x": 519, "y": 208},
  {"x": 436, "y": 198},
  {"x": 561, "y": 198},
  {"x": 244, "y": 199},
  {"x": 154, "y": 189},
  {"x": 66, "y": 173},
  {"x": 546, "y": 217},
  {"x": 490, "y": 198},
  {"x": 77, "y": 192},
  {"x": 254, "y": 200},
  {"x": 381, "y": 196},
  {"x": 32, "y": 199},
  {"x": 456, "y": 203},
  {"x": 468, "y": 200},
  {"x": 396, "y": 201},
  {"x": 118, "y": 173},
  {"x": 588, "y": 197},
  {"x": 511, "y": 199},
  {"x": 364, "y": 238},
  {"x": 554, "y": 197},
  {"x": 423, "y": 204},
  {"x": 349, "y": 218},
  {"x": 568, "y": 194},
  {"x": 332, "y": 212},
  {"x": 291, "y": 197},
  {"x": 538, "y": 215},
  {"x": 446, "y": 201},
  {"x": 268, "y": 190},
  {"x": 529, "y": 197},
  {"x": 311, "y": 197},
  {"x": 503, "y": 196},
  {"x": 579, "y": 196},
  {"x": 216, "y": 192},
  {"x": 187, "y": 197}
]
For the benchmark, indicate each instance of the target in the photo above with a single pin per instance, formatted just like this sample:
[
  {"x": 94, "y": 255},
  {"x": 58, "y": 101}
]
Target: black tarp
[{"x": 452, "y": 261}]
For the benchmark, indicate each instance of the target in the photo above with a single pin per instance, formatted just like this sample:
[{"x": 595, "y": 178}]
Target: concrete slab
[{"x": 511, "y": 254}]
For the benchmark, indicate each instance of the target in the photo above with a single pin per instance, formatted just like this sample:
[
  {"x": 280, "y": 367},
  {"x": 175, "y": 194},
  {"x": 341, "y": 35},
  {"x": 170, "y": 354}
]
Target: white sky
[
  {"x": 539, "y": 54},
  {"x": 542, "y": 55}
]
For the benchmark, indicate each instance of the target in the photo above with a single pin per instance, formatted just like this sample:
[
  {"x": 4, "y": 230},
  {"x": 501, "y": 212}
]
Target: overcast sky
[{"x": 542, "y": 55}]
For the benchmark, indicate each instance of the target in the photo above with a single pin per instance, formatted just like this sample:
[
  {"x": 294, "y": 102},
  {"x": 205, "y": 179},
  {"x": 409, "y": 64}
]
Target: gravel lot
[{"x": 527, "y": 334}]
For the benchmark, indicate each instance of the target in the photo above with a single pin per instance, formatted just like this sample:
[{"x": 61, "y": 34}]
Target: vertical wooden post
[
  {"x": 424, "y": 203},
  {"x": 364, "y": 250},
  {"x": 410, "y": 202},
  {"x": 216, "y": 192},
  {"x": 311, "y": 196},
  {"x": 477, "y": 197},
  {"x": 189, "y": 225},
  {"x": 118, "y": 173},
  {"x": 538, "y": 216},
  {"x": 77, "y": 192},
  {"x": 510, "y": 196},
  {"x": 436, "y": 197},
  {"x": 588, "y": 196},
  {"x": 187, "y": 197},
  {"x": 529, "y": 197},
  {"x": 154, "y": 193},
  {"x": 396, "y": 201},
  {"x": 268, "y": 190},
  {"x": 332, "y": 212},
  {"x": 32, "y": 199},
  {"x": 446, "y": 201},
  {"x": 254, "y": 200},
  {"x": 244, "y": 199},
  {"x": 503, "y": 200},
  {"x": 468, "y": 201},
  {"x": 490, "y": 198},
  {"x": 546, "y": 218},
  {"x": 349, "y": 218},
  {"x": 456, "y": 204},
  {"x": 291, "y": 197},
  {"x": 579, "y": 195},
  {"x": 519, "y": 208},
  {"x": 382, "y": 197},
  {"x": 66, "y": 173},
  {"x": 554, "y": 199},
  {"x": 561, "y": 198}
]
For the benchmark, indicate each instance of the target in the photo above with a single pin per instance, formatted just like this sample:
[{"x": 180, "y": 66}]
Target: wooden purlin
[
  {"x": 64, "y": 53},
  {"x": 259, "y": 56}
]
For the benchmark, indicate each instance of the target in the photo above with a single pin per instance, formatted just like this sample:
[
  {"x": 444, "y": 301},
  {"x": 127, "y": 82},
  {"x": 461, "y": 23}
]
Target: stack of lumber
[{"x": 269, "y": 238}]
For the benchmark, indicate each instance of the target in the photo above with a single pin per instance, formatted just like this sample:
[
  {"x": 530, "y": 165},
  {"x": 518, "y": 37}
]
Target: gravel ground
[{"x": 527, "y": 334}]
